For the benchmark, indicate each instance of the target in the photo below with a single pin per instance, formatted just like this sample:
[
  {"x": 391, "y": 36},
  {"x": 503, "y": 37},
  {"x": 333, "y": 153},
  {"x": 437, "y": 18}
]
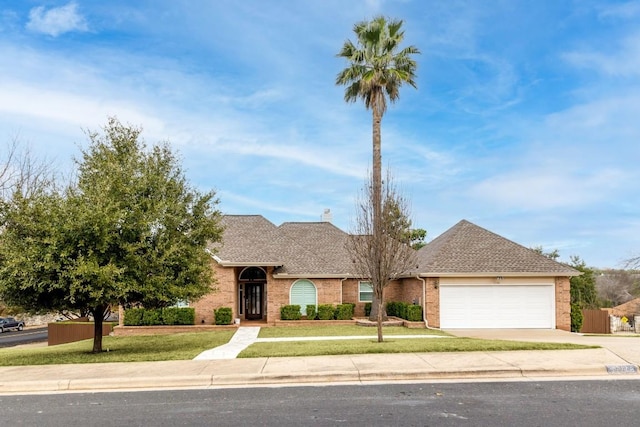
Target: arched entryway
[{"x": 252, "y": 281}]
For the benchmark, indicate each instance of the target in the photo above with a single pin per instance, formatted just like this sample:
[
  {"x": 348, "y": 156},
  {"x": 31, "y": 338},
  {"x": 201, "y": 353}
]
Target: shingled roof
[
  {"x": 295, "y": 248},
  {"x": 467, "y": 249},
  {"x": 318, "y": 249}
]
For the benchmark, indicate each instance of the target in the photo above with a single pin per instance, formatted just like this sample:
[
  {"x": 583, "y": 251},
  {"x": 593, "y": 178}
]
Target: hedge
[
  {"x": 164, "y": 316},
  {"x": 367, "y": 309},
  {"x": 223, "y": 316},
  {"x": 344, "y": 311},
  {"x": 152, "y": 317},
  {"x": 179, "y": 316},
  {"x": 311, "y": 312},
  {"x": 326, "y": 311},
  {"x": 290, "y": 312},
  {"x": 133, "y": 317},
  {"x": 410, "y": 312},
  {"x": 414, "y": 313}
]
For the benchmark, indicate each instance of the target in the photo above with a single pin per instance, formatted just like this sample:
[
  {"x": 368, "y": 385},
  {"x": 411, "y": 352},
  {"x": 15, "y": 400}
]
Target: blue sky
[{"x": 525, "y": 120}]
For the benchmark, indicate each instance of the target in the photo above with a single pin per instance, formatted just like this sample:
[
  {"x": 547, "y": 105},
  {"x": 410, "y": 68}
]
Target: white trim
[
  {"x": 360, "y": 283},
  {"x": 248, "y": 263},
  {"x": 499, "y": 273}
]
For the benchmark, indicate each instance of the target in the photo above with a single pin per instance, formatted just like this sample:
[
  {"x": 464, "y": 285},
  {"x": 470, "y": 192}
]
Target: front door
[{"x": 253, "y": 301}]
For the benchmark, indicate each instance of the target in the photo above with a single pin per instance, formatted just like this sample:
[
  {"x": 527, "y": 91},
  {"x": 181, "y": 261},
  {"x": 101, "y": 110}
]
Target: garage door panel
[{"x": 498, "y": 306}]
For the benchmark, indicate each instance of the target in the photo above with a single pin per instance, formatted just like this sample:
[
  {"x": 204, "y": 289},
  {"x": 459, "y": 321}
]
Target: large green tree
[
  {"x": 377, "y": 68},
  {"x": 131, "y": 230}
]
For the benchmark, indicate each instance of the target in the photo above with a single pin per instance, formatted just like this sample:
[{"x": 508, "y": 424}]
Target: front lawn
[
  {"x": 342, "y": 330},
  {"x": 119, "y": 349},
  {"x": 398, "y": 345}
]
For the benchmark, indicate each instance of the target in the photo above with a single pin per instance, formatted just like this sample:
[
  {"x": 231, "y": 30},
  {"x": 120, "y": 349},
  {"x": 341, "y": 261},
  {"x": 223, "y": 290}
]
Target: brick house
[{"x": 468, "y": 277}]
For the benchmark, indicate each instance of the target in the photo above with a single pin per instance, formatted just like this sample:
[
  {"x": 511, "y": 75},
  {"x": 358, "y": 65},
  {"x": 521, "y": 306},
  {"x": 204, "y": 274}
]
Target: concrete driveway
[{"x": 626, "y": 347}]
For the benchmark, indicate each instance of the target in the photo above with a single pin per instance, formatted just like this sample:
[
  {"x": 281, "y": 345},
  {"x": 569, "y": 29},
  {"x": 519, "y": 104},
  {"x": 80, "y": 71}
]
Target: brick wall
[
  {"x": 224, "y": 294},
  {"x": 433, "y": 302},
  {"x": 329, "y": 292},
  {"x": 563, "y": 303}
]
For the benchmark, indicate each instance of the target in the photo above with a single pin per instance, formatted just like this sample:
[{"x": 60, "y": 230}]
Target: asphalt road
[
  {"x": 561, "y": 403},
  {"x": 12, "y": 338}
]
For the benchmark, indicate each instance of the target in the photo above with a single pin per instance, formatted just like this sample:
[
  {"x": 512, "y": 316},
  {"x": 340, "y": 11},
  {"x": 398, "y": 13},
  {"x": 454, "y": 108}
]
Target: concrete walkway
[{"x": 243, "y": 338}]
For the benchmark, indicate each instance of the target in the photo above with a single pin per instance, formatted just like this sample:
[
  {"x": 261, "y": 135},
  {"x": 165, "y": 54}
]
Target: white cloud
[
  {"x": 57, "y": 20},
  {"x": 624, "y": 62},
  {"x": 626, "y": 10},
  {"x": 539, "y": 190}
]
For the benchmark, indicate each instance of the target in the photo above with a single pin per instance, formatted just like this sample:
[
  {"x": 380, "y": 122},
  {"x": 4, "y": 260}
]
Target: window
[
  {"x": 303, "y": 293},
  {"x": 365, "y": 292},
  {"x": 181, "y": 303}
]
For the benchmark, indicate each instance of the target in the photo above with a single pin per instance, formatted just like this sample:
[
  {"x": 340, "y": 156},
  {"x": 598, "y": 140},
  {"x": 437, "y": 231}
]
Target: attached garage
[{"x": 467, "y": 303}]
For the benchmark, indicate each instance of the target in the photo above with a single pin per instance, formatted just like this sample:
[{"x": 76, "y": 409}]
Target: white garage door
[{"x": 497, "y": 306}]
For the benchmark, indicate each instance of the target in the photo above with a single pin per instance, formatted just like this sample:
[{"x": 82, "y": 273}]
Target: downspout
[
  {"x": 424, "y": 300},
  {"x": 342, "y": 289}
]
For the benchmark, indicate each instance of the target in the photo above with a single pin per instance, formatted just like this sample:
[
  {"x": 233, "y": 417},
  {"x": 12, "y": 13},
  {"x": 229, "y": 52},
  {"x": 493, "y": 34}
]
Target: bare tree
[
  {"x": 616, "y": 287},
  {"x": 22, "y": 171},
  {"x": 381, "y": 255}
]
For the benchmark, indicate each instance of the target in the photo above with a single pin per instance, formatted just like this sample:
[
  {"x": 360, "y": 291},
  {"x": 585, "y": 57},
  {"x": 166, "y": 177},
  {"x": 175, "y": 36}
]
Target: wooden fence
[
  {"x": 71, "y": 331},
  {"x": 596, "y": 322}
]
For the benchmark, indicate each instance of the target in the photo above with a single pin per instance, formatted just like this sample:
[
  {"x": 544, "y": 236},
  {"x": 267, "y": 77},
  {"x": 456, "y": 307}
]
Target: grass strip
[
  {"x": 342, "y": 330},
  {"x": 405, "y": 345},
  {"x": 119, "y": 349}
]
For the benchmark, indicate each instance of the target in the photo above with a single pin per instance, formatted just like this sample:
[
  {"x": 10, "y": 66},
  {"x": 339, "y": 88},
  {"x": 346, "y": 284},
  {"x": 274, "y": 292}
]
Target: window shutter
[{"x": 303, "y": 292}]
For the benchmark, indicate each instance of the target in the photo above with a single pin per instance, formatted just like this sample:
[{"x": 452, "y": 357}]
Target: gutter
[
  {"x": 503, "y": 274},
  {"x": 311, "y": 276},
  {"x": 342, "y": 289}
]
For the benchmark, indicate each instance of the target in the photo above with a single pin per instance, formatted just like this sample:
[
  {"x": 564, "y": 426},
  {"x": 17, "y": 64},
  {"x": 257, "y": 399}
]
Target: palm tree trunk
[
  {"x": 377, "y": 282},
  {"x": 377, "y": 173}
]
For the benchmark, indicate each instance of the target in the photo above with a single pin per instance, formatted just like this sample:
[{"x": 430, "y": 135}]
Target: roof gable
[
  {"x": 469, "y": 249},
  {"x": 247, "y": 239}
]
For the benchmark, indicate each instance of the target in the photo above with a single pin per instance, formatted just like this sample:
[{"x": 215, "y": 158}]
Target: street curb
[{"x": 205, "y": 381}]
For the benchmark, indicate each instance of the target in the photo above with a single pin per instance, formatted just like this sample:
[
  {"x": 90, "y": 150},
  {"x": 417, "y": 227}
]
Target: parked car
[{"x": 8, "y": 323}]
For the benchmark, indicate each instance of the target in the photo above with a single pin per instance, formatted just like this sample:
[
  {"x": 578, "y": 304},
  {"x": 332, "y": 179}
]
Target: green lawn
[
  {"x": 398, "y": 345},
  {"x": 120, "y": 349},
  {"x": 342, "y": 330},
  {"x": 188, "y": 345}
]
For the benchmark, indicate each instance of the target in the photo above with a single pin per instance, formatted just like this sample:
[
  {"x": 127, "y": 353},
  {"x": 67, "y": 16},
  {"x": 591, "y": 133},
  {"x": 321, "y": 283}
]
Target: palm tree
[{"x": 378, "y": 67}]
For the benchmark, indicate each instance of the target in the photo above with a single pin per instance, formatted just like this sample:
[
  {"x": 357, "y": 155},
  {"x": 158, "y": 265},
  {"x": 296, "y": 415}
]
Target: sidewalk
[{"x": 361, "y": 368}]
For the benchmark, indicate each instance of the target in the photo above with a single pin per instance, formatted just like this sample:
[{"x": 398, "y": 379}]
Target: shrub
[
  {"x": 392, "y": 308},
  {"x": 178, "y": 316},
  {"x": 402, "y": 310},
  {"x": 133, "y": 316},
  {"x": 576, "y": 318},
  {"x": 151, "y": 317},
  {"x": 186, "y": 316},
  {"x": 223, "y": 315},
  {"x": 344, "y": 311},
  {"x": 290, "y": 312},
  {"x": 414, "y": 313},
  {"x": 326, "y": 312},
  {"x": 311, "y": 312},
  {"x": 367, "y": 309}
]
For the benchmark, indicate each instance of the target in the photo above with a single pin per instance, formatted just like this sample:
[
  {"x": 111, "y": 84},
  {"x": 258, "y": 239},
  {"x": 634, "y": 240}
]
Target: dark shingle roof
[
  {"x": 301, "y": 248},
  {"x": 468, "y": 249},
  {"x": 247, "y": 239},
  {"x": 319, "y": 249}
]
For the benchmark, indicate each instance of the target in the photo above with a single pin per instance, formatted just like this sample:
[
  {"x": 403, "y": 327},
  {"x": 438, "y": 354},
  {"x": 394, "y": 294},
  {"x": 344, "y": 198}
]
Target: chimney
[{"x": 326, "y": 216}]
